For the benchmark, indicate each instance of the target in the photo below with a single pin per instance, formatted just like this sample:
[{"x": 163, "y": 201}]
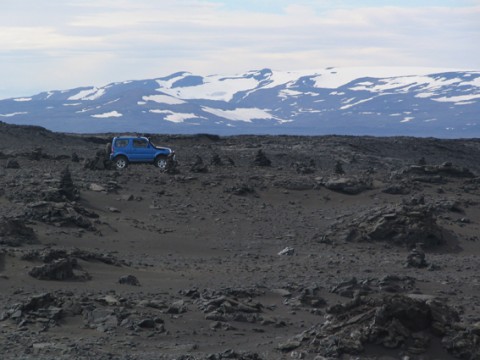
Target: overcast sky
[{"x": 62, "y": 44}]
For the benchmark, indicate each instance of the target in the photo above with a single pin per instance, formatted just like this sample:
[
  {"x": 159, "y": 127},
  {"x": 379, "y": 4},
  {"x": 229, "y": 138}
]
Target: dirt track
[{"x": 312, "y": 257}]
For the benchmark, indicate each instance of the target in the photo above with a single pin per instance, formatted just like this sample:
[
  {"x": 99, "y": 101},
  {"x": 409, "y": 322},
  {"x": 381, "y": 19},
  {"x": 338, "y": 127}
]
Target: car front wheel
[
  {"x": 121, "y": 162},
  {"x": 161, "y": 162}
]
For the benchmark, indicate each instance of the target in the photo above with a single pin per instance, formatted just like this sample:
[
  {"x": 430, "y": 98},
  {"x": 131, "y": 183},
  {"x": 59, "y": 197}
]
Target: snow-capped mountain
[{"x": 353, "y": 101}]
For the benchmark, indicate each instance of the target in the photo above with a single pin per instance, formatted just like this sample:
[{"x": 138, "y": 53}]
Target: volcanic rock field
[{"x": 252, "y": 247}]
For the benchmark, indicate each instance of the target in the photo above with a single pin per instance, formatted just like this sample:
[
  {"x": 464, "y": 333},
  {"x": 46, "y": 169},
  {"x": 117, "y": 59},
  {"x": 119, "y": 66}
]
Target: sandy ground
[{"x": 204, "y": 243}]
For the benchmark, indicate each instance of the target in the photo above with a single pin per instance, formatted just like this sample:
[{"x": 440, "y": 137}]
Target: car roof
[{"x": 126, "y": 137}]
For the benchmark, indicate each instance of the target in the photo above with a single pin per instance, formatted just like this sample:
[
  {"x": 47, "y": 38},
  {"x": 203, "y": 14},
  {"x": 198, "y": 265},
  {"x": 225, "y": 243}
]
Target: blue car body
[{"x": 138, "y": 149}]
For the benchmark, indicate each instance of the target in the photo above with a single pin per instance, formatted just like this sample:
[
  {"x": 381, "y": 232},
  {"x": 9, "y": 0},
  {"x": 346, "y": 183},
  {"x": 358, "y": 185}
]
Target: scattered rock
[
  {"x": 101, "y": 161},
  {"x": 397, "y": 189},
  {"x": 12, "y": 164},
  {"x": 216, "y": 160},
  {"x": 445, "y": 169},
  {"x": 287, "y": 251},
  {"x": 147, "y": 324},
  {"x": 289, "y": 345},
  {"x": 198, "y": 166},
  {"x": 304, "y": 168},
  {"x": 62, "y": 269},
  {"x": 240, "y": 189},
  {"x": 339, "y": 168},
  {"x": 14, "y": 232},
  {"x": 405, "y": 224},
  {"x": 416, "y": 257},
  {"x": 62, "y": 214},
  {"x": 129, "y": 280},
  {"x": 350, "y": 186},
  {"x": 261, "y": 159},
  {"x": 393, "y": 322},
  {"x": 96, "y": 187},
  {"x": 177, "y": 307}
]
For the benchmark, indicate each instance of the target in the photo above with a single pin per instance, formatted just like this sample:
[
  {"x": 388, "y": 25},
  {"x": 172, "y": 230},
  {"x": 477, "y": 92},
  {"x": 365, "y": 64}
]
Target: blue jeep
[{"x": 126, "y": 149}]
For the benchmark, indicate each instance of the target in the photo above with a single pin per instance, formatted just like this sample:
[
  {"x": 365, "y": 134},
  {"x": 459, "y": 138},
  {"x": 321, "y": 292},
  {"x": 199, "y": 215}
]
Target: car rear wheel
[
  {"x": 161, "y": 162},
  {"x": 121, "y": 162}
]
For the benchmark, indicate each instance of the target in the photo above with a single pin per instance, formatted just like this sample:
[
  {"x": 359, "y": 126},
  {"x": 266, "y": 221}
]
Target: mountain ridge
[{"x": 344, "y": 101}]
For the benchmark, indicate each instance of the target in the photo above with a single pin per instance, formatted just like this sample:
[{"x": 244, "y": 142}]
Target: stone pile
[
  {"x": 103, "y": 313},
  {"x": 199, "y": 166},
  {"x": 223, "y": 307},
  {"x": 304, "y": 168},
  {"x": 404, "y": 324},
  {"x": 389, "y": 283},
  {"x": 49, "y": 255},
  {"x": 416, "y": 258},
  {"x": 44, "y": 309},
  {"x": 61, "y": 269},
  {"x": 261, "y": 159},
  {"x": 101, "y": 161},
  {"x": 64, "y": 214},
  {"x": 445, "y": 169},
  {"x": 435, "y": 174},
  {"x": 404, "y": 225}
]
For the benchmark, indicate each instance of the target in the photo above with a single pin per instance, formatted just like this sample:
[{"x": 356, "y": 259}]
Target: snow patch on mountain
[
  {"x": 286, "y": 93},
  {"x": 175, "y": 117},
  {"x": 107, "y": 115},
  {"x": 22, "y": 99},
  {"x": 14, "y": 114},
  {"x": 242, "y": 114},
  {"x": 356, "y": 103},
  {"x": 88, "y": 94},
  {"x": 213, "y": 88},
  {"x": 332, "y": 78},
  {"x": 457, "y": 99}
]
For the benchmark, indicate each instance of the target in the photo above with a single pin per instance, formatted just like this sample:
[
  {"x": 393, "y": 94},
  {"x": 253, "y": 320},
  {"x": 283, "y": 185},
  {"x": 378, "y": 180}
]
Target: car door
[{"x": 141, "y": 150}]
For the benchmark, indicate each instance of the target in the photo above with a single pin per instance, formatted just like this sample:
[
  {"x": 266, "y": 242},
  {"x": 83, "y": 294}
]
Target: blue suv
[{"x": 126, "y": 149}]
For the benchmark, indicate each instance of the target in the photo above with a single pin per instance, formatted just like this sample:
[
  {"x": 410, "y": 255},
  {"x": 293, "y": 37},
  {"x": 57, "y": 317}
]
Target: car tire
[
  {"x": 121, "y": 162},
  {"x": 161, "y": 162}
]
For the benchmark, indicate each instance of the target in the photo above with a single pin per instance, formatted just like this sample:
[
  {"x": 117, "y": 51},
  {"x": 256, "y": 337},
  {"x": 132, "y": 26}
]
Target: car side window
[
  {"x": 140, "y": 143},
  {"x": 121, "y": 143}
]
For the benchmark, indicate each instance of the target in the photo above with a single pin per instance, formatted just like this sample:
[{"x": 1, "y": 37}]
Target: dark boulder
[
  {"x": 62, "y": 269},
  {"x": 129, "y": 280},
  {"x": 14, "y": 232},
  {"x": 12, "y": 164}
]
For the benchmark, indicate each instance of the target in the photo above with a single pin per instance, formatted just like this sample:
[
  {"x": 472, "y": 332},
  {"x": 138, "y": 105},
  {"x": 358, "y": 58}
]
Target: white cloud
[
  {"x": 81, "y": 43},
  {"x": 41, "y": 38}
]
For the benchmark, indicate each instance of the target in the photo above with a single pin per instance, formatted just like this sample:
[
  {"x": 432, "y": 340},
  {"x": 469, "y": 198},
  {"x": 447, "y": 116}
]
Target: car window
[
  {"x": 121, "y": 143},
  {"x": 140, "y": 143}
]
